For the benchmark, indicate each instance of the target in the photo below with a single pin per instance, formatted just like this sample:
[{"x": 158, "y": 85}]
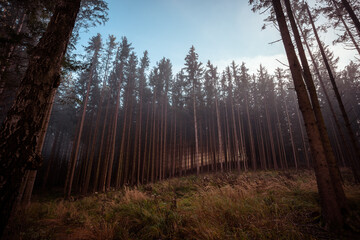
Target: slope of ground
[{"x": 253, "y": 205}]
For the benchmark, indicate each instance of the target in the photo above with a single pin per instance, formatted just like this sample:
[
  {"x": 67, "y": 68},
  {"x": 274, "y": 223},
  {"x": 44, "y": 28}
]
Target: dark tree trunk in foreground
[
  {"x": 330, "y": 156},
  {"x": 329, "y": 205},
  {"x": 20, "y": 132}
]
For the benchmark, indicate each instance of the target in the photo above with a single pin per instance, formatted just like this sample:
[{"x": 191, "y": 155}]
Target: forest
[{"x": 107, "y": 145}]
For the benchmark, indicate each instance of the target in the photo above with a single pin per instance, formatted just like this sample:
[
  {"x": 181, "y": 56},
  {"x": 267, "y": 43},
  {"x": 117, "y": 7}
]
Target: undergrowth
[{"x": 253, "y": 205}]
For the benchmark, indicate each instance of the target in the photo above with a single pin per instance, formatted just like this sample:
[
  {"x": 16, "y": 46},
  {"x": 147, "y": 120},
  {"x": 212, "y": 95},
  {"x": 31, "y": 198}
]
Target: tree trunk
[
  {"x": 252, "y": 145},
  {"x": 282, "y": 146},
  {"x": 72, "y": 165},
  {"x": 104, "y": 170},
  {"x": 354, "y": 141},
  {"x": 272, "y": 145},
  {"x": 330, "y": 157},
  {"x": 196, "y": 132},
  {"x": 307, "y": 158},
  {"x": 113, "y": 137},
  {"x": 26, "y": 193},
  {"x": 94, "y": 139},
  {"x": 291, "y": 136},
  {"x": 127, "y": 156},
  {"x": 317, "y": 71},
  {"x": 139, "y": 143},
  {"x": 227, "y": 142},
  {"x": 144, "y": 165},
  {"x": 174, "y": 148},
  {"x": 100, "y": 157},
  {"x": 330, "y": 207},
  {"x": 19, "y": 134},
  {"x": 165, "y": 160},
  {"x": 221, "y": 146}
]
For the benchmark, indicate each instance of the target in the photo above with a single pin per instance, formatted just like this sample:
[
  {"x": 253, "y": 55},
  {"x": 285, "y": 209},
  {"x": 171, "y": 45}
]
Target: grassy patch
[{"x": 253, "y": 205}]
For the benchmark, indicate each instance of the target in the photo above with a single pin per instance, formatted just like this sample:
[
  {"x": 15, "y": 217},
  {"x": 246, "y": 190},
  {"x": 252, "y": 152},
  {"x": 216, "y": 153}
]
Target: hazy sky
[{"x": 220, "y": 30}]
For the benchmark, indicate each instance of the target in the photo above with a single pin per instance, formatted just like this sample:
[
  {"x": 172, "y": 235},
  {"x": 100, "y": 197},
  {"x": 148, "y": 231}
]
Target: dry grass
[{"x": 253, "y": 205}]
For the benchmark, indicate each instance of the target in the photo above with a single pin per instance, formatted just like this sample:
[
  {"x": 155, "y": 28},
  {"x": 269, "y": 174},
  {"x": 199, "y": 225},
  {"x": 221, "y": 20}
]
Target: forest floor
[{"x": 253, "y": 205}]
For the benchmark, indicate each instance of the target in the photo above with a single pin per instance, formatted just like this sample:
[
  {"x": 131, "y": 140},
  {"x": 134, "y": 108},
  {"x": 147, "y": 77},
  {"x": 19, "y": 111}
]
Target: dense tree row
[{"x": 136, "y": 128}]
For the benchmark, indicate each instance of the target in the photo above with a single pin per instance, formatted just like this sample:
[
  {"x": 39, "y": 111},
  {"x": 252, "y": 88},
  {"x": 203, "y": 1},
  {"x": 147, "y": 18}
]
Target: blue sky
[{"x": 220, "y": 30}]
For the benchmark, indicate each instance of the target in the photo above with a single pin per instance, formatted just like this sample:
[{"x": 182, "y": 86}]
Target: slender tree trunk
[
  {"x": 181, "y": 150},
  {"x": 242, "y": 138},
  {"x": 307, "y": 158},
  {"x": 165, "y": 160},
  {"x": 262, "y": 151},
  {"x": 221, "y": 146},
  {"x": 235, "y": 136},
  {"x": 227, "y": 142},
  {"x": 122, "y": 146},
  {"x": 282, "y": 145},
  {"x": 153, "y": 139},
  {"x": 196, "y": 132},
  {"x": 354, "y": 141},
  {"x": 139, "y": 143},
  {"x": 145, "y": 166},
  {"x": 113, "y": 137},
  {"x": 92, "y": 151},
  {"x": 291, "y": 136},
  {"x": 128, "y": 145},
  {"x": 174, "y": 148},
  {"x": 72, "y": 165},
  {"x": 135, "y": 151},
  {"x": 158, "y": 148},
  {"x": 272, "y": 145},
  {"x": 330, "y": 157},
  {"x": 337, "y": 123},
  {"x": 100, "y": 157},
  {"x": 330, "y": 207},
  {"x": 252, "y": 145},
  {"x": 170, "y": 162},
  {"x": 97, "y": 127}
]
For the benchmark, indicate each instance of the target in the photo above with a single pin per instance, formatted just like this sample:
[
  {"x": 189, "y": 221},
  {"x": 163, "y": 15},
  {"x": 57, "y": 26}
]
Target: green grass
[{"x": 253, "y": 205}]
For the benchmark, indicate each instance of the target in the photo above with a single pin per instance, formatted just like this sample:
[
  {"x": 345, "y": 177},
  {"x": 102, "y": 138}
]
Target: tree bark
[
  {"x": 19, "y": 134},
  {"x": 330, "y": 157},
  {"x": 330, "y": 207}
]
